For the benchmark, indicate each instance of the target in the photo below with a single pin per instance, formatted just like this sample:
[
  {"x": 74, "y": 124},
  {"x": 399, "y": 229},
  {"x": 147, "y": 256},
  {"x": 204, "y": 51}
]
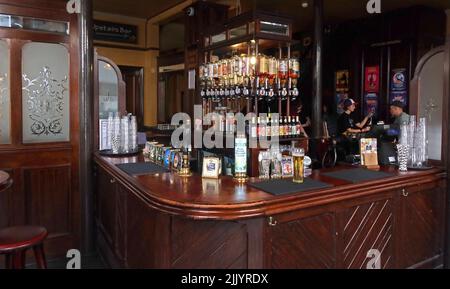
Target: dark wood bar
[
  {"x": 222, "y": 134},
  {"x": 166, "y": 221}
]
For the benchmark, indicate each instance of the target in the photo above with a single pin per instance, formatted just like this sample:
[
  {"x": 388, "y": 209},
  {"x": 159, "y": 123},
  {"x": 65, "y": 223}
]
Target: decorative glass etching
[
  {"x": 5, "y": 107},
  {"x": 45, "y": 93},
  {"x": 108, "y": 89}
]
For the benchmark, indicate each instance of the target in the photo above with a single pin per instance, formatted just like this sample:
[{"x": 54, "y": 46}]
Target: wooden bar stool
[{"x": 15, "y": 241}]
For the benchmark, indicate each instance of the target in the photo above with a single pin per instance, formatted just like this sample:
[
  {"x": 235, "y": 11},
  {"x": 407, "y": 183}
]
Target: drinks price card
[{"x": 369, "y": 152}]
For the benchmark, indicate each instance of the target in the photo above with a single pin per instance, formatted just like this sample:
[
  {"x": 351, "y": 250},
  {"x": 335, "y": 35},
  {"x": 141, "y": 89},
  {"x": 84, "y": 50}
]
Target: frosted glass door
[
  {"x": 5, "y": 107},
  {"x": 45, "y": 93}
]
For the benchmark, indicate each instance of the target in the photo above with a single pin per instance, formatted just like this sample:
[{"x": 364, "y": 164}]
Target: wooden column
[
  {"x": 317, "y": 73},
  {"x": 447, "y": 154},
  {"x": 86, "y": 132}
]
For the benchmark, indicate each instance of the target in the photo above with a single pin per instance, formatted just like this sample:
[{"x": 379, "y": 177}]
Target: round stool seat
[{"x": 14, "y": 238}]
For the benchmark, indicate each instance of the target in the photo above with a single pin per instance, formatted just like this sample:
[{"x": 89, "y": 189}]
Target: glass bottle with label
[
  {"x": 263, "y": 127},
  {"x": 288, "y": 127},
  {"x": 281, "y": 127},
  {"x": 240, "y": 158},
  {"x": 275, "y": 127},
  {"x": 294, "y": 128},
  {"x": 299, "y": 126},
  {"x": 254, "y": 128},
  {"x": 258, "y": 127}
]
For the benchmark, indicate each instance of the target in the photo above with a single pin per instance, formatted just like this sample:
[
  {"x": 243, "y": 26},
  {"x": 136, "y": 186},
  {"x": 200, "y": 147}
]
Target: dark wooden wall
[
  {"x": 352, "y": 44},
  {"x": 46, "y": 175}
]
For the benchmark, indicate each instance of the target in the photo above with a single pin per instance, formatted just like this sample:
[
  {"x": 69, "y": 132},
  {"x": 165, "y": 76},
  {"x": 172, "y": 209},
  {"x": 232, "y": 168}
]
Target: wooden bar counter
[{"x": 166, "y": 221}]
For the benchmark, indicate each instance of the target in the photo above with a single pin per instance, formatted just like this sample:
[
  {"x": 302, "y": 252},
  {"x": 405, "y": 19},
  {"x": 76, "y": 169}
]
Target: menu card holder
[{"x": 369, "y": 153}]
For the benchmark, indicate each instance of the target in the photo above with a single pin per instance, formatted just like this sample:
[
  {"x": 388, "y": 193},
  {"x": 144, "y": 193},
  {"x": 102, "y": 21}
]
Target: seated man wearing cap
[
  {"x": 348, "y": 127},
  {"x": 346, "y": 124}
]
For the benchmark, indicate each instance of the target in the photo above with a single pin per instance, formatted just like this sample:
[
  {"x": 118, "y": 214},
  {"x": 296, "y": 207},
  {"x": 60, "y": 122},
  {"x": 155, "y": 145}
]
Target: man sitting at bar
[
  {"x": 349, "y": 129},
  {"x": 346, "y": 124},
  {"x": 400, "y": 116}
]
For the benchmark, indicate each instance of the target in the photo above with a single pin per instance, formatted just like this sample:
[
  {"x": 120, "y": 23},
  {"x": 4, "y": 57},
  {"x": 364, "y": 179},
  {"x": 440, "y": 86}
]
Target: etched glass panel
[
  {"x": 45, "y": 93},
  {"x": 108, "y": 89},
  {"x": 5, "y": 107}
]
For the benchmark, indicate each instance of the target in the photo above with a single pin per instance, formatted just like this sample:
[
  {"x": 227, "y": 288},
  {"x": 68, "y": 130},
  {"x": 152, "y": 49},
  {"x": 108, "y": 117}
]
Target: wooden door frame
[{"x": 446, "y": 105}]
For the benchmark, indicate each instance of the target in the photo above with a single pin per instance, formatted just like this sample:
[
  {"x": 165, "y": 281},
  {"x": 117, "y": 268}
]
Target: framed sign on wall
[{"x": 115, "y": 32}]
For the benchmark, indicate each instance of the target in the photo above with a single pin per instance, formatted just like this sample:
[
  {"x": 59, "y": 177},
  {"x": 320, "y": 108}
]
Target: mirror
[
  {"x": 109, "y": 91},
  {"x": 108, "y": 83}
]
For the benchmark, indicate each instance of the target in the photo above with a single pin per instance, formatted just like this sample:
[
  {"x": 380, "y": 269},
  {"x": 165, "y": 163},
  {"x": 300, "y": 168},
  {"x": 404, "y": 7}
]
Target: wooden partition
[{"x": 40, "y": 120}]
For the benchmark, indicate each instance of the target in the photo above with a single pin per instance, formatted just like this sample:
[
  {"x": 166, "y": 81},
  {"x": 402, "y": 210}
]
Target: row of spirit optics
[{"x": 244, "y": 76}]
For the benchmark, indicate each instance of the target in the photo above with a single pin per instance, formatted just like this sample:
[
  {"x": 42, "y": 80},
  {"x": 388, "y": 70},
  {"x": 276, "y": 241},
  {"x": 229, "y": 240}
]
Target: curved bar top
[{"x": 226, "y": 199}]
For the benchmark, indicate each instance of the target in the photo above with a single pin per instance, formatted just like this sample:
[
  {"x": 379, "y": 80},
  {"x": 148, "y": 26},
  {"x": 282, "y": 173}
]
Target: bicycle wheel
[{"x": 330, "y": 158}]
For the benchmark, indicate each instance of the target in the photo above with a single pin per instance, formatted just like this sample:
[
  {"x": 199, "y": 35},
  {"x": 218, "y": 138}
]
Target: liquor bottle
[
  {"x": 258, "y": 129},
  {"x": 222, "y": 123},
  {"x": 283, "y": 77},
  {"x": 288, "y": 127},
  {"x": 254, "y": 128},
  {"x": 263, "y": 127},
  {"x": 275, "y": 127},
  {"x": 281, "y": 127},
  {"x": 294, "y": 128},
  {"x": 269, "y": 127},
  {"x": 299, "y": 126},
  {"x": 233, "y": 123}
]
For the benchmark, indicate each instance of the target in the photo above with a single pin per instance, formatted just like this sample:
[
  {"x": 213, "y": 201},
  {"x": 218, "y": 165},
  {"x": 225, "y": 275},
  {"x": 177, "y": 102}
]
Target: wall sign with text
[
  {"x": 399, "y": 86},
  {"x": 116, "y": 32}
]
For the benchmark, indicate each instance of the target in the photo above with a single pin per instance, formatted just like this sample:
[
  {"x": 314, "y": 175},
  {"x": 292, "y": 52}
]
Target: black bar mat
[
  {"x": 357, "y": 175},
  {"x": 287, "y": 186},
  {"x": 136, "y": 169}
]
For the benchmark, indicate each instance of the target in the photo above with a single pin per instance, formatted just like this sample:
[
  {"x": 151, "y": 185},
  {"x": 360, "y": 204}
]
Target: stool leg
[
  {"x": 8, "y": 261},
  {"x": 40, "y": 256},
  {"x": 19, "y": 259}
]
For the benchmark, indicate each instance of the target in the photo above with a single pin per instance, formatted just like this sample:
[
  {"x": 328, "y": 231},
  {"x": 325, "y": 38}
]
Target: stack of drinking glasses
[
  {"x": 122, "y": 133},
  {"x": 420, "y": 152},
  {"x": 403, "y": 148},
  {"x": 413, "y": 139}
]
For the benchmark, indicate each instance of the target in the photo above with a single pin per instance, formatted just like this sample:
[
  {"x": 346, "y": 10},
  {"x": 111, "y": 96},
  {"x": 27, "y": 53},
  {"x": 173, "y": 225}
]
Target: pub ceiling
[{"x": 335, "y": 10}]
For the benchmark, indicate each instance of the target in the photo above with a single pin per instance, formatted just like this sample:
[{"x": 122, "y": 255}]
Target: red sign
[{"x": 372, "y": 79}]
